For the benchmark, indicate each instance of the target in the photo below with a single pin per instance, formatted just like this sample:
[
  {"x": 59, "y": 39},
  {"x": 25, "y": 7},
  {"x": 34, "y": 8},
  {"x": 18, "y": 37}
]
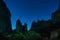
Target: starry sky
[{"x": 30, "y": 10}]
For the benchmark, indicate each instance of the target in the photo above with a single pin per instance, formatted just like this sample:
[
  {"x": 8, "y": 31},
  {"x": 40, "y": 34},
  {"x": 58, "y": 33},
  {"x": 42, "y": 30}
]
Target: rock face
[
  {"x": 24, "y": 28},
  {"x": 5, "y": 22},
  {"x": 18, "y": 26},
  {"x": 56, "y": 15}
]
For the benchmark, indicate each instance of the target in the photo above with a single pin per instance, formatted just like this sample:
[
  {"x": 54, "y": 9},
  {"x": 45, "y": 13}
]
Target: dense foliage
[{"x": 30, "y": 35}]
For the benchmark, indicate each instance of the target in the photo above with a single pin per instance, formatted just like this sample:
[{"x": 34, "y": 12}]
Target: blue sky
[{"x": 30, "y": 10}]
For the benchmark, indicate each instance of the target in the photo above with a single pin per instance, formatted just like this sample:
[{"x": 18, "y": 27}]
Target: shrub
[{"x": 31, "y": 35}]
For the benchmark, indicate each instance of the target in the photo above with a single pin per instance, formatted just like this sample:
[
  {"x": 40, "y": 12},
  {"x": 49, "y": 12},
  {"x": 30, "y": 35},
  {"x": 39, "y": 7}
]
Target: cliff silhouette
[
  {"x": 40, "y": 30},
  {"x": 5, "y": 15}
]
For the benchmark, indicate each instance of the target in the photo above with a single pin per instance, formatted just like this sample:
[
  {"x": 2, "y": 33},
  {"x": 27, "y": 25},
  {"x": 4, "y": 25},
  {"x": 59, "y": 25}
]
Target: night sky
[{"x": 30, "y": 10}]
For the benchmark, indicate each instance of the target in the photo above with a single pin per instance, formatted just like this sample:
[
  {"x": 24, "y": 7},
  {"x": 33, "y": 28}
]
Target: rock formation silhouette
[
  {"x": 5, "y": 18},
  {"x": 24, "y": 28},
  {"x": 56, "y": 15},
  {"x": 20, "y": 28},
  {"x": 46, "y": 27}
]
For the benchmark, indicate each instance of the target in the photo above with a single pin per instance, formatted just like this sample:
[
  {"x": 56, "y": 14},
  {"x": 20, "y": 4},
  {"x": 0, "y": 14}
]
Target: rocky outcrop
[
  {"x": 20, "y": 28},
  {"x": 56, "y": 15},
  {"x": 5, "y": 22}
]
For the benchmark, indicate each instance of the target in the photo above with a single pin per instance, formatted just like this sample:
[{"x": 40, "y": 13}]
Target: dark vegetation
[{"x": 40, "y": 29}]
